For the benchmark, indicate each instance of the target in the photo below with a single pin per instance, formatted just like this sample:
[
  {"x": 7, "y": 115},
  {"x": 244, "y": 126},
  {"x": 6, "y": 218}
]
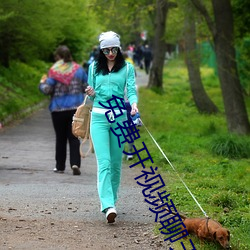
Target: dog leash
[{"x": 175, "y": 170}]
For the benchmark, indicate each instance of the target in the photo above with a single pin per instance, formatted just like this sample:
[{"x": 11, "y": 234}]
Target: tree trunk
[
  {"x": 223, "y": 38},
  {"x": 201, "y": 99},
  {"x": 159, "y": 46},
  {"x": 233, "y": 97}
]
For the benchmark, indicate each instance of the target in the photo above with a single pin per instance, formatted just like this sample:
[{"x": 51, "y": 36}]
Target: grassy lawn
[{"x": 214, "y": 165}]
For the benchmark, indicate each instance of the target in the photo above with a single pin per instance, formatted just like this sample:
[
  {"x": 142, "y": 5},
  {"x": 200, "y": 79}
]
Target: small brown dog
[{"x": 207, "y": 229}]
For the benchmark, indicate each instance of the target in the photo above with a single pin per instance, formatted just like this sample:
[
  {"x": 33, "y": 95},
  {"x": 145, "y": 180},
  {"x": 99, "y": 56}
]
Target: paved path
[
  {"x": 27, "y": 160},
  {"x": 141, "y": 78},
  {"x": 31, "y": 191},
  {"x": 26, "y": 163}
]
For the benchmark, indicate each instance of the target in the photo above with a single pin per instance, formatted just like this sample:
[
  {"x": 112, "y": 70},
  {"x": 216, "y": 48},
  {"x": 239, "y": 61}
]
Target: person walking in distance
[
  {"x": 109, "y": 75},
  {"x": 66, "y": 83},
  {"x": 147, "y": 54}
]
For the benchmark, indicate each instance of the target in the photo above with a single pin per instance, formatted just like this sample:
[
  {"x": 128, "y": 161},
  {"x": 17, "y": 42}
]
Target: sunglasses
[{"x": 106, "y": 51}]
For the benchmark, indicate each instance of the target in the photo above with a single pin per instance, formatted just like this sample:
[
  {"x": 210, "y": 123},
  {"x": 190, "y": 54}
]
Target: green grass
[
  {"x": 19, "y": 88},
  {"x": 214, "y": 164}
]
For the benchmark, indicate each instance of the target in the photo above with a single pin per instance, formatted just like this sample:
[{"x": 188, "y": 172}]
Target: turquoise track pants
[{"x": 108, "y": 156}]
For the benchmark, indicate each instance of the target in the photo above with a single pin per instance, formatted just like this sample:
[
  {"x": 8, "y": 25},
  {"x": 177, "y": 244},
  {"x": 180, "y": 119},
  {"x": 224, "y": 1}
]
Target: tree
[
  {"x": 159, "y": 44},
  {"x": 223, "y": 38},
  {"x": 23, "y": 33},
  {"x": 127, "y": 17},
  {"x": 201, "y": 99},
  {"x": 28, "y": 33}
]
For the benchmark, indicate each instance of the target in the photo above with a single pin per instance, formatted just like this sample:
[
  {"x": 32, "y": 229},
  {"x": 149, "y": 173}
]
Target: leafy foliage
[
  {"x": 28, "y": 33},
  {"x": 127, "y": 17},
  {"x": 241, "y": 17}
]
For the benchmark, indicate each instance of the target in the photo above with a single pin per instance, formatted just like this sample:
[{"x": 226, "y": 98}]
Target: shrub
[{"x": 231, "y": 146}]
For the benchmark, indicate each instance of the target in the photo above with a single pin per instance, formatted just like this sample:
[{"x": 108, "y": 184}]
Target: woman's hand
[
  {"x": 90, "y": 91},
  {"x": 134, "y": 109},
  {"x": 43, "y": 79}
]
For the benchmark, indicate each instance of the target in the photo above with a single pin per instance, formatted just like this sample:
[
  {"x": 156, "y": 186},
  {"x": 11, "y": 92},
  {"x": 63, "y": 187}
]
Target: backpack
[
  {"x": 81, "y": 126},
  {"x": 81, "y": 123}
]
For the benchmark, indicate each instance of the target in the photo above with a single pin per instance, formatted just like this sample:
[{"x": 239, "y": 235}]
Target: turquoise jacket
[{"x": 114, "y": 83}]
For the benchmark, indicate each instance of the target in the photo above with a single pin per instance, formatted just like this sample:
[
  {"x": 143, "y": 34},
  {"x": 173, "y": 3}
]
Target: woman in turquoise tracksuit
[{"x": 109, "y": 75}]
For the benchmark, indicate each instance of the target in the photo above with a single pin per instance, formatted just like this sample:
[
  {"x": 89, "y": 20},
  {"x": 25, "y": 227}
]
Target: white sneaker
[
  {"x": 111, "y": 214},
  {"x": 58, "y": 171},
  {"x": 129, "y": 157}
]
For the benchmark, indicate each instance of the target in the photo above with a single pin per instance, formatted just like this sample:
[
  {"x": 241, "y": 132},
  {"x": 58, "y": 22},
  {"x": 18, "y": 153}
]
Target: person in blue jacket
[
  {"x": 109, "y": 76},
  {"x": 65, "y": 83}
]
